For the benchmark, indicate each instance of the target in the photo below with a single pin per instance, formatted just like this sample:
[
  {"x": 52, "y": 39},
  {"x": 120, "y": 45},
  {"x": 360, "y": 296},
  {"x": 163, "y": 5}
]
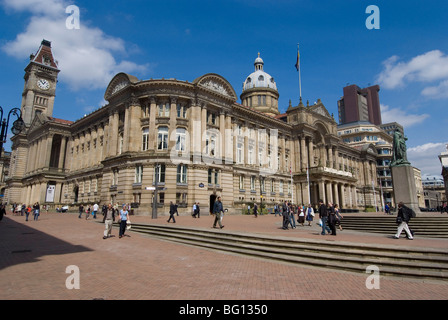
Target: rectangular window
[
  {"x": 182, "y": 173},
  {"x": 159, "y": 171},
  {"x": 145, "y": 139},
  {"x": 181, "y": 137},
  {"x": 138, "y": 174},
  {"x": 252, "y": 183},
  {"x": 241, "y": 182},
  {"x": 162, "y": 138}
]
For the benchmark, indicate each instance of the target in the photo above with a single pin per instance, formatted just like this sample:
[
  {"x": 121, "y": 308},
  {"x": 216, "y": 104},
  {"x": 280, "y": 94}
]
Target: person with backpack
[{"x": 404, "y": 215}]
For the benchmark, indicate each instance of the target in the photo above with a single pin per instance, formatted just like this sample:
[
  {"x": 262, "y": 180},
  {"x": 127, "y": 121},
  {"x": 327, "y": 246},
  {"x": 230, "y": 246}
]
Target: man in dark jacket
[
  {"x": 218, "y": 211},
  {"x": 323, "y": 215},
  {"x": 173, "y": 210},
  {"x": 285, "y": 212},
  {"x": 403, "y": 217}
]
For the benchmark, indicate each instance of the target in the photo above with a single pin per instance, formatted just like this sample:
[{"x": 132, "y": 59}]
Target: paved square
[{"x": 34, "y": 256}]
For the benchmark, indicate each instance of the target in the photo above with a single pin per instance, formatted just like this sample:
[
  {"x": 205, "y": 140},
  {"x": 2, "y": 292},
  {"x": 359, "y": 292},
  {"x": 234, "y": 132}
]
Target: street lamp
[{"x": 17, "y": 125}]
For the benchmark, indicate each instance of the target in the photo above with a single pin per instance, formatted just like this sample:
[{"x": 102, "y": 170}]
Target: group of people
[
  {"x": 330, "y": 217},
  {"x": 24, "y": 210},
  {"x": 288, "y": 211},
  {"x": 110, "y": 212}
]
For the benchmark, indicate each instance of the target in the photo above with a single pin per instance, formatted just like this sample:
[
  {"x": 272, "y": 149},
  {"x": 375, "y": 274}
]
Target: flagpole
[
  {"x": 300, "y": 77},
  {"x": 308, "y": 180}
]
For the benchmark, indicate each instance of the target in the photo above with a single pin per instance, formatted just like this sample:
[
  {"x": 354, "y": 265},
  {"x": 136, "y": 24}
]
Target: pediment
[
  {"x": 321, "y": 110},
  {"x": 216, "y": 84},
  {"x": 39, "y": 120},
  {"x": 118, "y": 83}
]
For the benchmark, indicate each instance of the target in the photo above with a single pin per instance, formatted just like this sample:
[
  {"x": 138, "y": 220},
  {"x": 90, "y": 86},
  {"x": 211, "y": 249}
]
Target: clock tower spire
[{"x": 40, "y": 84}]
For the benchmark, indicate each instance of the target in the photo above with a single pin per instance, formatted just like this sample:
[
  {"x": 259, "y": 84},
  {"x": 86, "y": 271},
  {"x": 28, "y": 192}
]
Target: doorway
[{"x": 212, "y": 202}]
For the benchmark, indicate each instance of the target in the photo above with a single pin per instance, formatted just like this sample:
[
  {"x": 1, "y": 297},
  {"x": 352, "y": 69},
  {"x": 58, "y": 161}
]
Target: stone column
[
  {"x": 311, "y": 153},
  {"x": 152, "y": 124},
  {"x": 62, "y": 153},
  {"x": 329, "y": 192},
  {"x": 303, "y": 154},
  {"x": 113, "y": 133},
  {"x": 228, "y": 140},
  {"x": 222, "y": 138},
  {"x": 322, "y": 191},
  {"x": 172, "y": 126}
]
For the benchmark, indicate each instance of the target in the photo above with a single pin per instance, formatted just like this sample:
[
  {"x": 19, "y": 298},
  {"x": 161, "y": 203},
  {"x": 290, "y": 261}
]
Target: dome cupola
[{"x": 260, "y": 90}]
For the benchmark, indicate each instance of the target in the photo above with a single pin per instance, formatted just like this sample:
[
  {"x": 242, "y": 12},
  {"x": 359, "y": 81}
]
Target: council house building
[{"x": 194, "y": 137}]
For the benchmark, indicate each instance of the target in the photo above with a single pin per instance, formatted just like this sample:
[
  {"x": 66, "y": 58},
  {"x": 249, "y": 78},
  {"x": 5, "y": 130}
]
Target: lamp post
[
  {"x": 17, "y": 125},
  {"x": 154, "y": 201}
]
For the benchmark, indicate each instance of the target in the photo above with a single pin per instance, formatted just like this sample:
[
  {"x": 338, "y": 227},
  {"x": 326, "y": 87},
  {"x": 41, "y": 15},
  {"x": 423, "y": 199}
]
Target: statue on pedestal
[{"x": 399, "y": 157}]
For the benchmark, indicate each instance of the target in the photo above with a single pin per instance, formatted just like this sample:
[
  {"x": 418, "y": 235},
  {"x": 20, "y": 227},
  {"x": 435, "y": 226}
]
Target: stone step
[
  {"x": 391, "y": 260},
  {"x": 430, "y": 226}
]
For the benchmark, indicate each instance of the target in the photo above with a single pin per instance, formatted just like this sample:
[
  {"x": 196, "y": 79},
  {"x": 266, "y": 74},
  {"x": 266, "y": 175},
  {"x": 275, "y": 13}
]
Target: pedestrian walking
[
  {"x": 27, "y": 212},
  {"x": 88, "y": 210},
  {"x": 331, "y": 219},
  {"x": 2, "y": 211},
  {"x": 292, "y": 220},
  {"x": 404, "y": 215},
  {"x": 255, "y": 210},
  {"x": 323, "y": 215},
  {"x": 81, "y": 210},
  {"x": 218, "y": 211},
  {"x": 198, "y": 210},
  {"x": 36, "y": 208},
  {"x": 286, "y": 220},
  {"x": 95, "y": 210},
  {"x": 172, "y": 212},
  {"x": 309, "y": 214},
  {"x": 386, "y": 208},
  {"x": 108, "y": 219},
  {"x": 301, "y": 215},
  {"x": 338, "y": 216},
  {"x": 124, "y": 219}
]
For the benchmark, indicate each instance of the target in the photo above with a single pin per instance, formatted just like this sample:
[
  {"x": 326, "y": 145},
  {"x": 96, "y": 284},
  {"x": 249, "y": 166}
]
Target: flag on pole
[{"x": 298, "y": 58}]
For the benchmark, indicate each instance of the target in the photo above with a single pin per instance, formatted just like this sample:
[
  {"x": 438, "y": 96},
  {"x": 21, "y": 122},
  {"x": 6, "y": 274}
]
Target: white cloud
[
  {"x": 397, "y": 115},
  {"x": 439, "y": 91},
  {"x": 431, "y": 66},
  {"x": 425, "y": 157},
  {"x": 86, "y": 55}
]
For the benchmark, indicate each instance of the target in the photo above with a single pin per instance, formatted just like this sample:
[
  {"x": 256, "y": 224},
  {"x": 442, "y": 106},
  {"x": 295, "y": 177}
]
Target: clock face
[{"x": 43, "y": 84}]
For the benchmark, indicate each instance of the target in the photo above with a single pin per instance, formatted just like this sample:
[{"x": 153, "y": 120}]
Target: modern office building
[{"x": 360, "y": 105}]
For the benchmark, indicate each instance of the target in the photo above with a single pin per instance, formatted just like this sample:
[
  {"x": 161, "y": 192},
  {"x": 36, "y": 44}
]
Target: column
[
  {"x": 330, "y": 157},
  {"x": 113, "y": 133},
  {"x": 228, "y": 140},
  {"x": 152, "y": 124},
  {"x": 329, "y": 192},
  {"x": 311, "y": 153},
  {"x": 62, "y": 151},
  {"x": 303, "y": 154},
  {"x": 222, "y": 138},
  {"x": 172, "y": 125},
  {"x": 322, "y": 191},
  {"x": 336, "y": 195}
]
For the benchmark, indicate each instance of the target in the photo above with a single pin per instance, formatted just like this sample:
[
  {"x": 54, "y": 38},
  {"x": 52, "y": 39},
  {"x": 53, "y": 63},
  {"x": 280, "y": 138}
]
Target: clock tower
[{"x": 40, "y": 84}]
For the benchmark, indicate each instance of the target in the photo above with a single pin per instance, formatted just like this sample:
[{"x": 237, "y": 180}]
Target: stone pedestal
[{"x": 404, "y": 187}]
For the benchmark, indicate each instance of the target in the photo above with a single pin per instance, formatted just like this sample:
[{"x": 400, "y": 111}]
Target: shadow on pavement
[{"x": 22, "y": 244}]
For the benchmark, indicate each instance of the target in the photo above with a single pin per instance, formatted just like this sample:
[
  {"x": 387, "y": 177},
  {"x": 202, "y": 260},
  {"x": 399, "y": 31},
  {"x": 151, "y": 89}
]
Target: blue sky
[{"x": 407, "y": 56}]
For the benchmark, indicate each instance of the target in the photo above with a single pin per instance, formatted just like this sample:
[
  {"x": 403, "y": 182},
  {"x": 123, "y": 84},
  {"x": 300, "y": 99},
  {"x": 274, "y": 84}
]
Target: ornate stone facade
[{"x": 203, "y": 144}]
